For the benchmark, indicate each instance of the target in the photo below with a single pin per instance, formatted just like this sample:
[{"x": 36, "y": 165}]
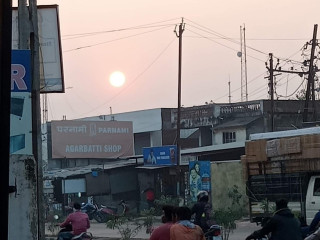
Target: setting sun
[{"x": 117, "y": 79}]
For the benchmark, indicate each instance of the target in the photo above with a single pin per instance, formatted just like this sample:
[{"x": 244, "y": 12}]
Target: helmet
[{"x": 202, "y": 194}]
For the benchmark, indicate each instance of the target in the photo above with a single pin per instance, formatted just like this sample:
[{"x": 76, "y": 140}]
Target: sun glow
[{"x": 117, "y": 79}]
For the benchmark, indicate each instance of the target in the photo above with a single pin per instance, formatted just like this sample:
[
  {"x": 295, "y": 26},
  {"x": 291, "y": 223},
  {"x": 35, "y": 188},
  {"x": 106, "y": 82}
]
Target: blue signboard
[
  {"x": 20, "y": 112},
  {"x": 20, "y": 71},
  {"x": 165, "y": 155},
  {"x": 200, "y": 177}
]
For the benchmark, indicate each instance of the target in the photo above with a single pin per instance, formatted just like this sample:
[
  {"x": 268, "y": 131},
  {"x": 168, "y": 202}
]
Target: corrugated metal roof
[
  {"x": 152, "y": 167},
  {"x": 68, "y": 172},
  {"x": 287, "y": 133},
  {"x": 236, "y": 122}
]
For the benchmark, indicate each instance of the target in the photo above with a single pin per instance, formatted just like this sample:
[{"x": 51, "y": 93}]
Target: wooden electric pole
[{"x": 5, "y": 91}]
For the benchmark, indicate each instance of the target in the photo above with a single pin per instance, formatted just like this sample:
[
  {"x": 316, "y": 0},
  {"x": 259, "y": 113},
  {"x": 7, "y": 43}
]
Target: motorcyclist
[
  {"x": 282, "y": 226},
  {"x": 203, "y": 211},
  {"x": 79, "y": 222}
]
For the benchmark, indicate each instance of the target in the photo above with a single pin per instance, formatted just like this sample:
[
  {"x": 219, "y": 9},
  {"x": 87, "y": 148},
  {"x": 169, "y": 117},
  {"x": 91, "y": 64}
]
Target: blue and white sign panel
[
  {"x": 165, "y": 155},
  {"x": 20, "y": 112}
]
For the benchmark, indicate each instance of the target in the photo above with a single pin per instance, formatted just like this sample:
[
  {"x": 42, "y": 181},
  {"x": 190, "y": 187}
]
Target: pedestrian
[
  {"x": 282, "y": 226},
  {"x": 149, "y": 196},
  {"x": 184, "y": 229},
  {"x": 203, "y": 211},
  {"x": 163, "y": 232}
]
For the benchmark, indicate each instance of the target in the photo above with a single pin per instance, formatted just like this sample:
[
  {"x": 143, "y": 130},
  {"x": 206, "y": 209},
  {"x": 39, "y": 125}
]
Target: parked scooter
[
  {"x": 106, "y": 213},
  {"x": 214, "y": 233}
]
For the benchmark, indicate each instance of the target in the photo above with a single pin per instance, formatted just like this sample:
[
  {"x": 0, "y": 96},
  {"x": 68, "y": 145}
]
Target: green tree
[
  {"x": 226, "y": 217},
  {"x": 148, "y": 217},
  {"x": 128, "y": 228}
]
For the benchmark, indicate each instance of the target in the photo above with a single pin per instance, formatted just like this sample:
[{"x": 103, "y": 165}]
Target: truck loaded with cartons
[{"x": 283, "y": 164}]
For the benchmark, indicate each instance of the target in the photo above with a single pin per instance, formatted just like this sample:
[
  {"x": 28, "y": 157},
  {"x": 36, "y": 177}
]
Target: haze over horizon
[{"x": 138, "y": 39}]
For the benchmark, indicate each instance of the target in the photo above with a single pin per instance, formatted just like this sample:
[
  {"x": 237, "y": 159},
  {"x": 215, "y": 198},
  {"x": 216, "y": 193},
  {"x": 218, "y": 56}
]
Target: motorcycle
[
  {"x": 90, "y": 209},
  {"x": 214, "y": 233},
  {"x": 81, "y": 236},
  {"x": 106, "y": 213}
]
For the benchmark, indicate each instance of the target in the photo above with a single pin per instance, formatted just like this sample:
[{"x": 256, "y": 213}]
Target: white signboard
[
  {"x": 91, "y": 139},
  {"x": 51, "y": 70},
  {"x": 74, "y": 185}
]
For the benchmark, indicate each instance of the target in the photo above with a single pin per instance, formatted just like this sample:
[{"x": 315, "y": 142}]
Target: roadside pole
[
  {"x": 178, "y": 170},
  {"x": 5, "y": 90}
]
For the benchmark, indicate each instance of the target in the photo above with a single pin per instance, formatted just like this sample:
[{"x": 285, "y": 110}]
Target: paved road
[{"x": 101, "y": 232}]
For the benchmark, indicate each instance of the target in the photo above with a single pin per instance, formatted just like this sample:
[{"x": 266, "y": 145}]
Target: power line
[
  {"x": 134, "y": 80},
  {"x": 93, "y": 45},
  {"x": 123, "y": 29},
  {"x": 255, "y": 78},
  {"x": 221, "y": 36},
  {"x": 81, "y": 35},
  {"x": 278, "y": 95},
  {"x": 223, "y": 45}
]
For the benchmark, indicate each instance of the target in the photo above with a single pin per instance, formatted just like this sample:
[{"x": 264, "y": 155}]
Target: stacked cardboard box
[
  {"x": 310, "y": 146},
  {"x": 283, "y": 146},
  {"x": 294, "y": 154},
  {"x": 255, "y": 154}
]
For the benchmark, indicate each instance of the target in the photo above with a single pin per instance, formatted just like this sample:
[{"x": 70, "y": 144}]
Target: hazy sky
[{"x": 147, "y": 51}]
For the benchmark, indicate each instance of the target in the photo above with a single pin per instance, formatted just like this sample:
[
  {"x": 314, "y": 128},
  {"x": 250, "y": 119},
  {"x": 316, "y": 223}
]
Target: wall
[
  {"x": 143, "y": 121},
  {"x": 156, "y": 138},
  {"x": 240, "y": 135},
  {"x": 224, "y": 175}
]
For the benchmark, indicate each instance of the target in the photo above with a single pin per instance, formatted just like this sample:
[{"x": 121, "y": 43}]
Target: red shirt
[
  {"x": 162, "y": 232},
  {"x": 79, "y": 221},
  {"x": 150, "y": 195}
]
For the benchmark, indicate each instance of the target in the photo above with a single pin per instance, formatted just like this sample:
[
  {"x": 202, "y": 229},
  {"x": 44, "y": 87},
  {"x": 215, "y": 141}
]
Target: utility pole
[
  {"x": 179, "y": 35},
  {"x": 29, "y": 39},
  {"x": 271, "y": 89},
  {"x": 5, "y": 91},
  {"x": 271, "y": 76},
  {"x": 310, "y": 84},
  {"x": 229, "y": 84},
  {"x": 36, "y": 114}
]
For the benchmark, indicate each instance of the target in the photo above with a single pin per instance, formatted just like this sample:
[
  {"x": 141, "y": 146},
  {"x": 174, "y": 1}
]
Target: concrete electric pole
[
  {"x": 5, "y": 90},
  {"x": 179, "y": 35}
]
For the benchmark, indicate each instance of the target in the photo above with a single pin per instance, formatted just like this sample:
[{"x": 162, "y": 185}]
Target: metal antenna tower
[{"x": 243, "y": 55}]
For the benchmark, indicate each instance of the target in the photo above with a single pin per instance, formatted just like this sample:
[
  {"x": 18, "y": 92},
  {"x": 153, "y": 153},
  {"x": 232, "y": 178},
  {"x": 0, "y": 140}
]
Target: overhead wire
[
  {"x": 96, "y": 44},
  {"x": 252, "y": 80},
  {"x": 208, "y": 30},
  {"x": 135, "y": 79},
  {"x": 294, "y": 92},
  {"x": 123, "y": 29},
  {"x": 222, "y": 44},
  {"x": 203, "y": 28},
  {"x": 112, "y": 31}
]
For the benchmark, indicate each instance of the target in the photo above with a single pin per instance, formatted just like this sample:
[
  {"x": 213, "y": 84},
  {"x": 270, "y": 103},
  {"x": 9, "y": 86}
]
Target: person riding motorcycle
[
  {"x": 79, "y": 222},
  {"x": 203, "y": 211}
]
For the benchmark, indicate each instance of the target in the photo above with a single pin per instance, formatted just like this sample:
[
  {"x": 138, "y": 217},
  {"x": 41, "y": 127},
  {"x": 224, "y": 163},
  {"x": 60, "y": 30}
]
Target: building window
[{"x": 229, "y": 137}]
